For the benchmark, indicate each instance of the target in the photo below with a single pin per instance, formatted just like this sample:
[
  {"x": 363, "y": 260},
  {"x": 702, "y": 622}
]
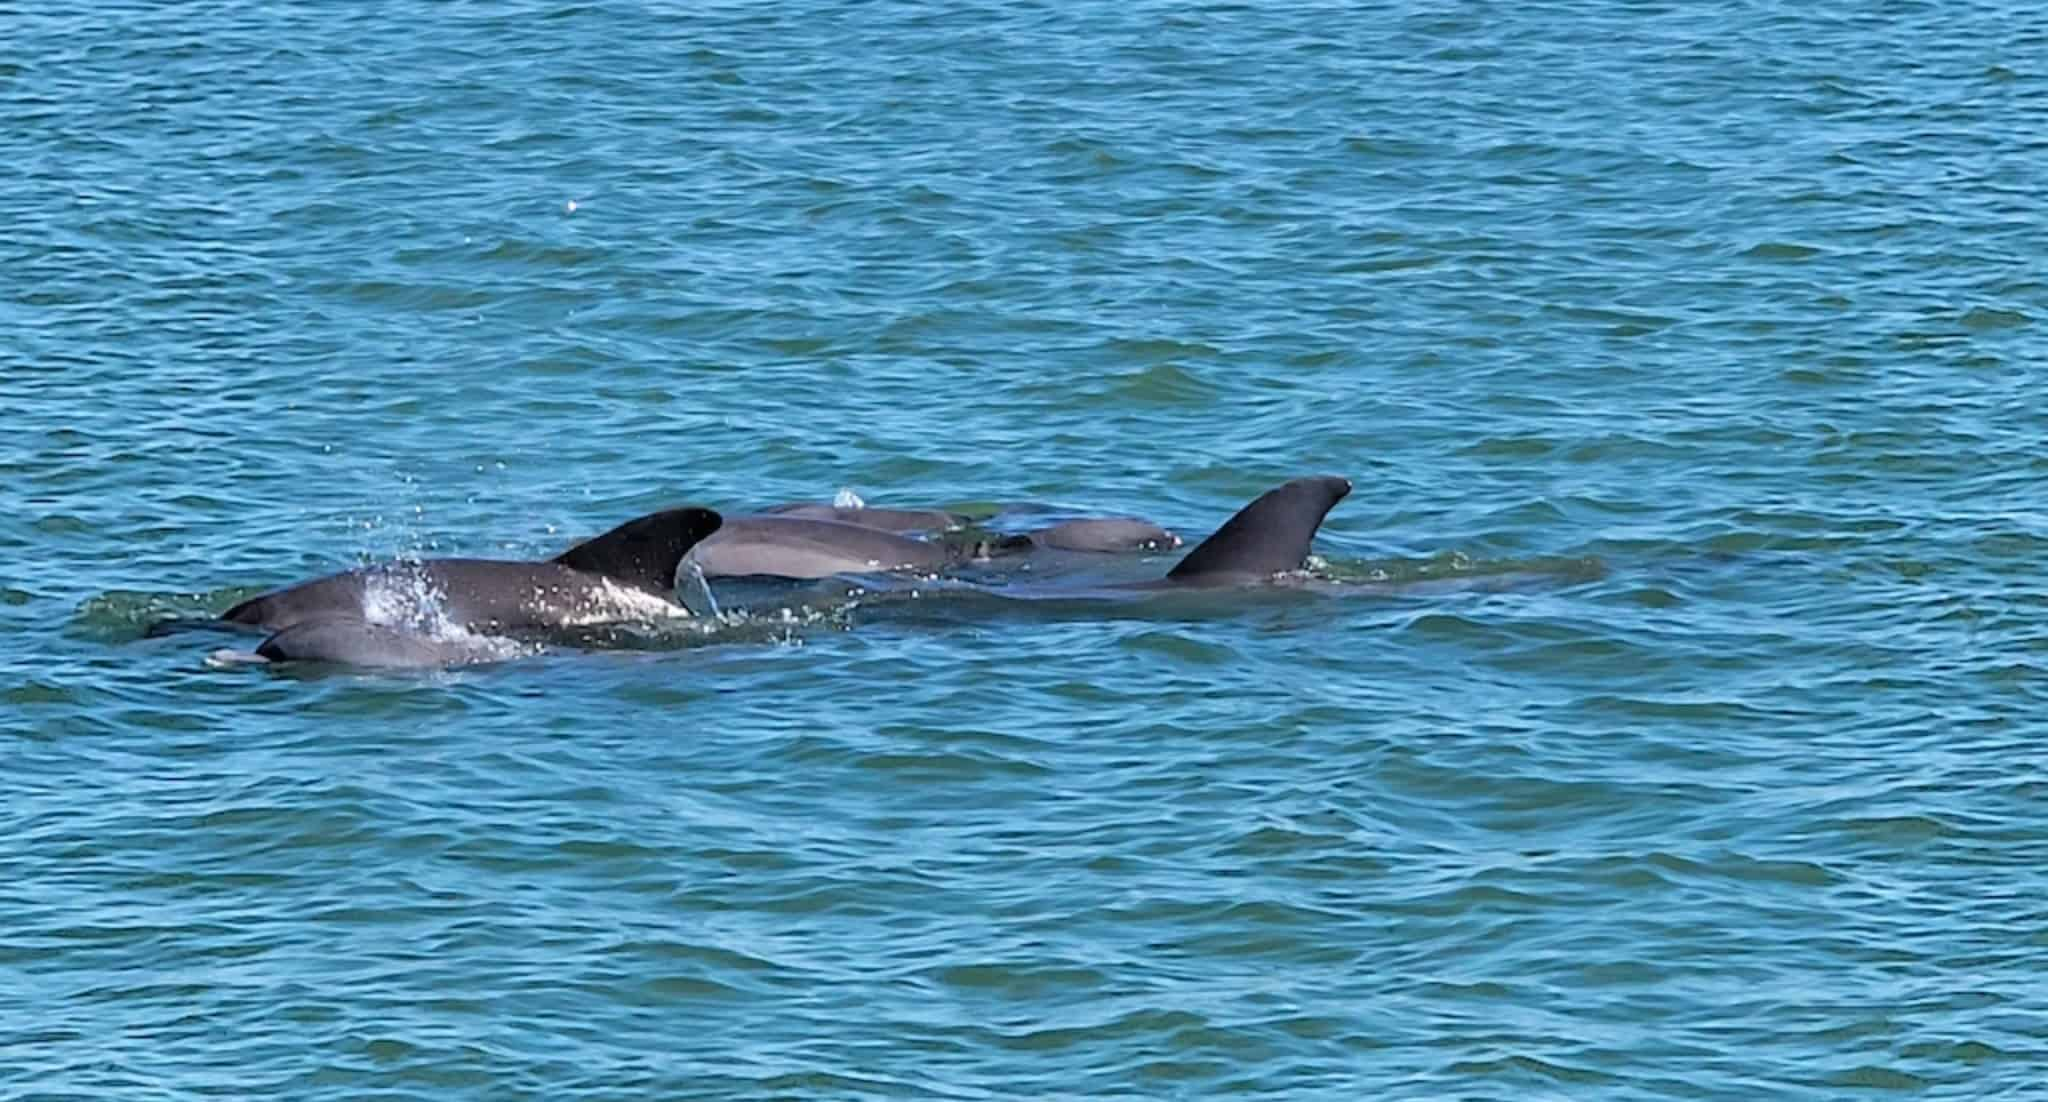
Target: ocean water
[{"x": 1687, "y": 360}]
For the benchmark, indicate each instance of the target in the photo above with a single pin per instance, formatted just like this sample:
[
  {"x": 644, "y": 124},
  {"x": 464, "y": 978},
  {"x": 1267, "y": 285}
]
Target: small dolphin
[
  {"x": 783, "y": 546},
  {"x": 627, "y": 573}
]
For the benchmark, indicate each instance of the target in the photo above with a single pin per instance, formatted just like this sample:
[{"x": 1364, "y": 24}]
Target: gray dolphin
[
  {"x": 802, "y": 547},
  {"x": 627, "y": 573}
]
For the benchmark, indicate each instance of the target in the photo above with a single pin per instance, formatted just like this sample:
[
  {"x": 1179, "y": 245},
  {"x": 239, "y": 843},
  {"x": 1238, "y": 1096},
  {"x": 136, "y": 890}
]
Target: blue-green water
[{"x": 1742, "y": 302}]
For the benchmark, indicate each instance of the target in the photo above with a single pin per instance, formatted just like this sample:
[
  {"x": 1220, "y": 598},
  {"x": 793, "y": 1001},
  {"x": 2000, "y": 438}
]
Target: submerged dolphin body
[
  {"x": 627, "y": 573},
  {"x": 783, "y": 545},
  {"x": 780, "y": 549},
  {"x": 1105, "y": 534},
  {"x": 379, "y": 646}
]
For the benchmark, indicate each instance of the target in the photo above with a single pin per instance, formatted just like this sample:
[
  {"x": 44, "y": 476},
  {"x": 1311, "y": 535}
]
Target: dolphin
[
  {"x": 627, "y": 573},
  {"x": 783, "y": 546}
]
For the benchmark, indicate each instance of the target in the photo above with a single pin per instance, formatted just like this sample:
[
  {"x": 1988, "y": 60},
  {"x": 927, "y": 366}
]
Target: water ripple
[{"x": 1658, "y": 724}]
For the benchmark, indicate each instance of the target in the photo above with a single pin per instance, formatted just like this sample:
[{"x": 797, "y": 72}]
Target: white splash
[
  {"x": 402, "y": 595},
  {"x": 696, "y": 583},
  {"x": 847, "y": 499},
  {"x": 612, "y": 603}
]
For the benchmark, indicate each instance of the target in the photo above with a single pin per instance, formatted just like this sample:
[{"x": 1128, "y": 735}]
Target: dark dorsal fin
[
  {"x": 1266, "y": 537},
  {"x": 643, "y": 553}
]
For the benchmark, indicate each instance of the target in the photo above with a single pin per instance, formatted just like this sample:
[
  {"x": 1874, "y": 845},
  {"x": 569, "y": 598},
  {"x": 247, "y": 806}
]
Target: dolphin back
[
  {"x": 644, "y": 552},
  {"x": 780, "y": 546},
  {"x": 1267, "y": 537}
]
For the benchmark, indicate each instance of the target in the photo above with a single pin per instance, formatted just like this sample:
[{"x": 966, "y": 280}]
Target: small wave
[
  {"x": 126, "y": 614},
  {"x": 1456, "y": 566}
]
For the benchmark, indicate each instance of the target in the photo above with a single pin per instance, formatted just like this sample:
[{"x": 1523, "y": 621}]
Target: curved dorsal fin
[
  {"x": 643, "y": 552},
  {"x": 1268, "y": 536}
]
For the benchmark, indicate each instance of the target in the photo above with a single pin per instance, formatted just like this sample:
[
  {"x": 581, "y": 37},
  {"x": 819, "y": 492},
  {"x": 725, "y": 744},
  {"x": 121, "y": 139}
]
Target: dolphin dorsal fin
[
  {"x": 1268, "y": 536},
  {"x": 643, "y": 552}
]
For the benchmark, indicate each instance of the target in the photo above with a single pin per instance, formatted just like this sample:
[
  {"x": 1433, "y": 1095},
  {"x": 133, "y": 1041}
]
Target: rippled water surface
[{"x": 1680, "y": 735}]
